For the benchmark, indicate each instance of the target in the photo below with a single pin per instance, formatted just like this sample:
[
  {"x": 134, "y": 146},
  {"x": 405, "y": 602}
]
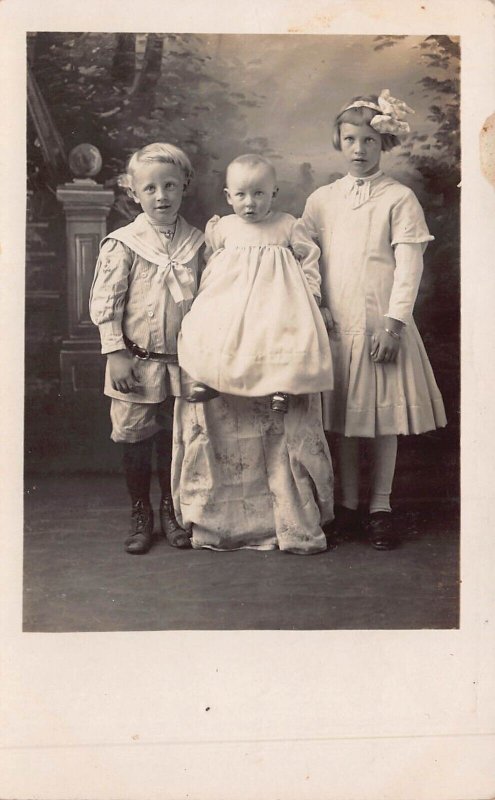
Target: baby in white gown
[{"x": 255, "y": 327}]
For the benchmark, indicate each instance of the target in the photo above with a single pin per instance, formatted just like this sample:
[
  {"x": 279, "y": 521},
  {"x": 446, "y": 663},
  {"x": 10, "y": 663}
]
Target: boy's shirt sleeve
[
  {"x": 108, "y": 293},
  {"x": 308, "y": 254}
]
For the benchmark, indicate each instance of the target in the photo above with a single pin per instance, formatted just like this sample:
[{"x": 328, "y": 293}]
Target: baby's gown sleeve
[
  {"x": 213, "y": 237},
  {"x": 307, "y": 253},
  {"x": 410, "y": 236},
  {"x": 108, "y": 292}
]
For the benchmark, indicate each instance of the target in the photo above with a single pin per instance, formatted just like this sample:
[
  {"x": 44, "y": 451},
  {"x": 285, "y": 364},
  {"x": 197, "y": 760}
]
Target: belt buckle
[{"x": 140, "y": 352}]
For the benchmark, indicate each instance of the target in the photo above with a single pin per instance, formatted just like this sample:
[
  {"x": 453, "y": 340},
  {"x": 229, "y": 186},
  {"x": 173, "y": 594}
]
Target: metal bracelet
[{"x": 392, "y": 333}]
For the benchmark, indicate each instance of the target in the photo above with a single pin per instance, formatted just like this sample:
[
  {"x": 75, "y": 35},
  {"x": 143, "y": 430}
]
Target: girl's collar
[
  {"x": 365, "y": 179},
  {"x": 358, "y": 190}
]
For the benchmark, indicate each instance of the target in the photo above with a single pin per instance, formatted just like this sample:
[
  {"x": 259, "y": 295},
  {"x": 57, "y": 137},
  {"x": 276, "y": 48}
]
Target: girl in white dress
[
  {"x": 372, "y": 234},
  {"x": 255, "y": 327}
]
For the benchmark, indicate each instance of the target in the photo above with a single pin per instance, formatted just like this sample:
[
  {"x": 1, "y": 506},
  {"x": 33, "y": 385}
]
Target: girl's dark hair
[{"x": 361, "y": 116}]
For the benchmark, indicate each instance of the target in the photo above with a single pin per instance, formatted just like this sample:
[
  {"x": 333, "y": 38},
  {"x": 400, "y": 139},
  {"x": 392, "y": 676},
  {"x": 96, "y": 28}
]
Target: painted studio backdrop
[{"x": 217, "y": 96}]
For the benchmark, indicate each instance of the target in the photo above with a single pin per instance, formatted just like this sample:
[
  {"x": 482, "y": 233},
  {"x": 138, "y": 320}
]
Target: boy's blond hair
[{"x": 162, "y": 152}]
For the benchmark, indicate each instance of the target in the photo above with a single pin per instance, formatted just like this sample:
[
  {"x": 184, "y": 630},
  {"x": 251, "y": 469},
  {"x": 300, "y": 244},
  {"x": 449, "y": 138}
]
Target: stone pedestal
[{"x": 86, "y": 207}]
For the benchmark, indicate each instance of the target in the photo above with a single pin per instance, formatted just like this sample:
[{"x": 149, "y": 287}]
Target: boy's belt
[{"x": 147, "y": 355}]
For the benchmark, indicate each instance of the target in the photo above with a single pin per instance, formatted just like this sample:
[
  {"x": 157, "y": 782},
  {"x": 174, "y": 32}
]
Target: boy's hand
[
  {"x": 327, "y": 318},
  {"x": 122, "y": 375}
]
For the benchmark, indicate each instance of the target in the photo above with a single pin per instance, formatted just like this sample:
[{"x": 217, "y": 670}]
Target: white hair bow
[{"x": 392, "y": 118}]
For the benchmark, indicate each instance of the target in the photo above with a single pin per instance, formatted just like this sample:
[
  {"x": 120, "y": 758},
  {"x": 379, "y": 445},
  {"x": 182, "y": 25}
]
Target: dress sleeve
[
  {"x": 213, "y": 238},
  {"x": 407, "y": 277},
  {"x": 310, "y": 218},
  {"x": 307, "y": 253},
  {"x": 108, "y": 292},
  {"x": 408, "y": 222}
]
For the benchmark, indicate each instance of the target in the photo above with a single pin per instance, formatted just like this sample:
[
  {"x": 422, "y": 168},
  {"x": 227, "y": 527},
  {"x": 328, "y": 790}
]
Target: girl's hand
[
  {"x": 122, "y": 375},
  {"x": 384, "y": 348},
  {"x": 386, "y": 343},
  {"x": 327, "y": 318}
]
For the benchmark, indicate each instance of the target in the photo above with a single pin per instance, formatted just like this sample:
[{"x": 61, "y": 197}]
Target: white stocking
[{"x": 384, "y": 458}]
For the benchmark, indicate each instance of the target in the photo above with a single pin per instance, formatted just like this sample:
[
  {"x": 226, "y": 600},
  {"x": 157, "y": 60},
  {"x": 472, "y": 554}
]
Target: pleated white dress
[
  {"x": 254, "y": 327},
  {"x": 357, "y": 226}
]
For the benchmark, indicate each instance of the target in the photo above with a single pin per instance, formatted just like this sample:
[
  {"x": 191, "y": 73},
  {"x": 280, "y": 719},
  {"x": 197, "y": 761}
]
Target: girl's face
[
  {"x": 159, "y": 188},
  {"x": 361, "y": 147},
  {"x": 250, "y": 191}
]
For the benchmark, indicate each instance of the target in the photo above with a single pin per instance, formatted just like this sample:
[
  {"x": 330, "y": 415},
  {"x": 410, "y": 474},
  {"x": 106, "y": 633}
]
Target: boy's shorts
[{"x": 133, "y": 422}]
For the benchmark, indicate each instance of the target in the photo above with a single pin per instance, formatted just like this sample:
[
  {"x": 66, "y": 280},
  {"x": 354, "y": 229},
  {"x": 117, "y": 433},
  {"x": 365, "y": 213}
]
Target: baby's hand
[
  {"x": 122, "y": 375},
  {"x": 384, "y": 347},
  {"x": 327, "y": 318}
]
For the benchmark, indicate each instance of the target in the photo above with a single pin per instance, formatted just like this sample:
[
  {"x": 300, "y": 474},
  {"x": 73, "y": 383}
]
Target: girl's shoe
[
  {"x": 140, "y": 535},
  {"x": 200, "y": 393},
  {"x": 174, "y": 534},
  {"x": 347, "y": 524},
  {"x": 381, "y": 532},
  {"x": 279, "y": 401}
]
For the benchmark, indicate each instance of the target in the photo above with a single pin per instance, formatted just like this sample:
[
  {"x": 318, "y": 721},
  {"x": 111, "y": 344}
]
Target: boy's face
[
  {"x": 361, "y": 147},
  {"x": 250, "y": 191},
  {"x": 159, "y": 188}
]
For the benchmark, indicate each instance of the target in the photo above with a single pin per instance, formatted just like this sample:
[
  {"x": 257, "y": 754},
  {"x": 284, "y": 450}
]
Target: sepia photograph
[
  {"x": 315, "y": 376},
  {"x": 246, "y": 314}
]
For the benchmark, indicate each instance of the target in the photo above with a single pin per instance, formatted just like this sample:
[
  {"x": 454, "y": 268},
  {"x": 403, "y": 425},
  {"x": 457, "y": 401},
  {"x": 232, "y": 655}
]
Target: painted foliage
[{"x": 220, "y": 95}]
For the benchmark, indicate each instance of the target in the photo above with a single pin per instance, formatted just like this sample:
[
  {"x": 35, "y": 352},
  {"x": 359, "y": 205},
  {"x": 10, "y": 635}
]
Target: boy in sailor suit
[{"x": 144, "y": 282}]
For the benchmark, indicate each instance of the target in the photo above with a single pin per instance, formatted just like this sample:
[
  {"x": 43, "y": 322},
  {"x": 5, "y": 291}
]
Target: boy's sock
[
  {"x": 384, "y": 459},
  {"x": 137, "y": 470},
  {"x": 163, "y": 444}
]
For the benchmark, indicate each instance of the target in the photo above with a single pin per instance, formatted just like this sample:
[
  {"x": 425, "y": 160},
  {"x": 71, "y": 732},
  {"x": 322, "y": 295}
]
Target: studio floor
[{"x": 78, "y": 577}]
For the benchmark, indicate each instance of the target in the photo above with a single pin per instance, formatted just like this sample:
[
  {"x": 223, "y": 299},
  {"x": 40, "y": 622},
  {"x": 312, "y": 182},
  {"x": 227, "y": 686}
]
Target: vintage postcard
[{"x": 247, "y": 432}]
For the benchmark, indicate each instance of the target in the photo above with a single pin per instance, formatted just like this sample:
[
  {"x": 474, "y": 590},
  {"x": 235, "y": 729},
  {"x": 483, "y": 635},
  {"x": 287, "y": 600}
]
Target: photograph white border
[{"x": 330, "y": 715}]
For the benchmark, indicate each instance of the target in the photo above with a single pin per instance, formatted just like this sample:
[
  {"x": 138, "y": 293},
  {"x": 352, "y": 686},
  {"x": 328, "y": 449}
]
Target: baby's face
[
  {"x": 250, "y": 191},
  {"x": 159, "y": 188}
]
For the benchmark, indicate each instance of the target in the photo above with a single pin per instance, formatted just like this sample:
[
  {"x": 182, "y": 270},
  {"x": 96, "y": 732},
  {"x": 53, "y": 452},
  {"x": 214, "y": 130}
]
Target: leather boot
[
  {"x": 174, "y": 534},
  {"x": 140, "y": 535}
]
